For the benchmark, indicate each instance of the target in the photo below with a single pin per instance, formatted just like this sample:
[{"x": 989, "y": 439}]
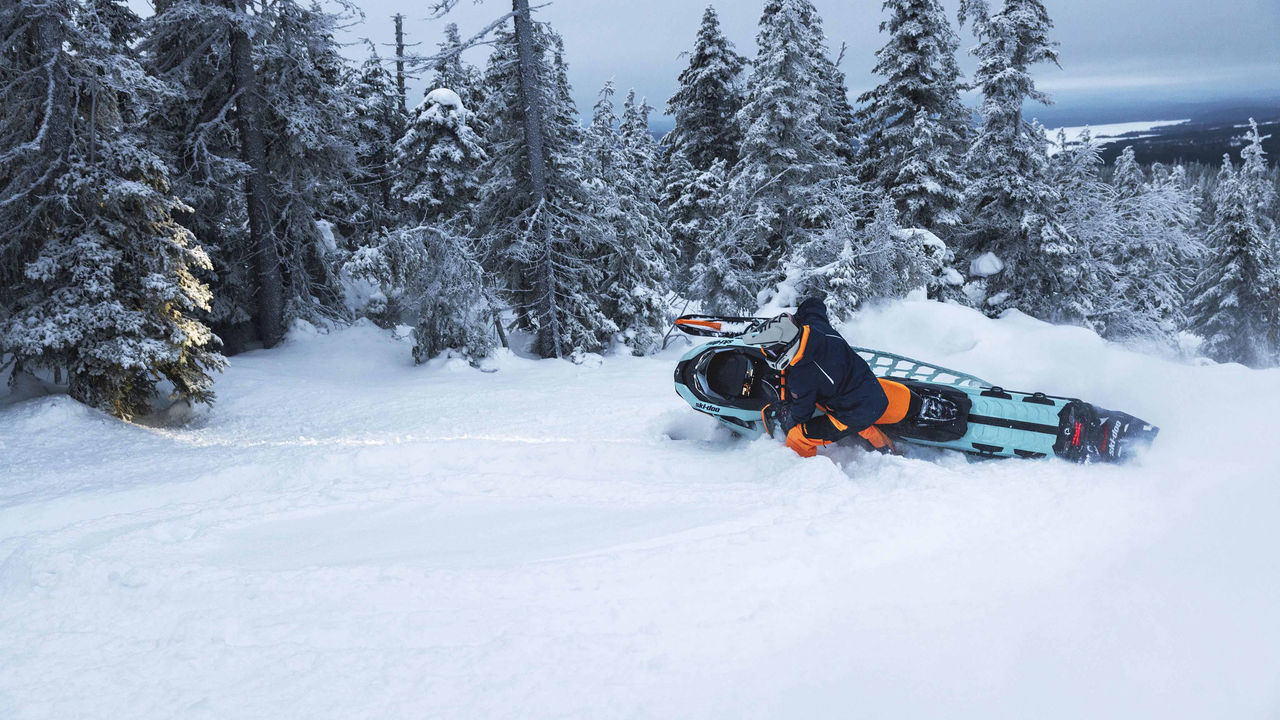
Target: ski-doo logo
[
  {"x": 706, "y": 407},
  {"x": 719, "y": 342},
  {"x": 1113, "y": 437}
]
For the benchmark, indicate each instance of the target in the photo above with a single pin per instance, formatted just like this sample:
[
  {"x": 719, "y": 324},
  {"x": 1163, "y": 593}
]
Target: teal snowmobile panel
[{"x": 955, "y": 410}]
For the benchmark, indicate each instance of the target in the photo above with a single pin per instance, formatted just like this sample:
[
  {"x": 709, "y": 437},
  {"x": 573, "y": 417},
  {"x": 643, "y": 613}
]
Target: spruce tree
[
  {"x": 915, "y": 123},
  {"x": 706, "y": 130},
  {"x": 1236, "y": 308},
  {"x": 1155, "y": 246},
  {"x": 1259, "y": 184},
  {"x": 640, "y": 261},
  {"x": 310, "y": 154},
  {"x": 836, "y": 115},
  {"x": 105, "y": 286},
  {"x": 852, "y": 264},
  {"x": 712, "y": 269},
  {"x": 431, "y": 266},
  {"x": 620, "y": 167},
  {"x": 437, "y": 160},
  {"x": 1127, "y": 176},
  {"x": 706, "y": 104},
  {"x": 539, "y": 235},
  {"x": 600, "y": 148},
  {"x": 789, "y": 148},
  {"x": 723, "y": 275},
  {"x": 1077, "y": 277},
  {"x": 193, "y": 128},
  {"x": 450, "y": 71},
  {"x": 847, "y": 279},
  {"x": 375, "y": 125},
  {"x": 1009, "y": 199}
]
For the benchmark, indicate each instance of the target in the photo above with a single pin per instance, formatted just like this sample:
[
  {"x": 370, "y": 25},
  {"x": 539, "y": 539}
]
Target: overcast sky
[{"x": 1113, "y": 52}]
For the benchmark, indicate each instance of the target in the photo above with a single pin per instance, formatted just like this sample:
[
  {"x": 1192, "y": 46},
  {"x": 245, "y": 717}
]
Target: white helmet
[{"x": 779, "y": 339}]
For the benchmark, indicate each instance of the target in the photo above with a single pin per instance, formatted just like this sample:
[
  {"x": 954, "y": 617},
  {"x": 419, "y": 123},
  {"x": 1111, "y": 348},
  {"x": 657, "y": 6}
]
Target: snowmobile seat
[{"x": 934, "y": 414}]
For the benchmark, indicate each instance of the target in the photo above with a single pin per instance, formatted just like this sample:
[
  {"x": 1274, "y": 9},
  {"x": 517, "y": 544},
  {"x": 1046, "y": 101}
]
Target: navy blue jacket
[{"x": 826, "y": 371}]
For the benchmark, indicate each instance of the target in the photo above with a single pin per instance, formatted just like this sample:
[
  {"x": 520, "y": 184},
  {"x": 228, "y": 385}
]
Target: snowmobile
[{"x": 949, "y": 409}]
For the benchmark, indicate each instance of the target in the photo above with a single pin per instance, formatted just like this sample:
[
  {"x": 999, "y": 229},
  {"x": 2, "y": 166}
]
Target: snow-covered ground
[
  {"x": 1109, "y": 132},
  {"x": 348, "y": 536}
]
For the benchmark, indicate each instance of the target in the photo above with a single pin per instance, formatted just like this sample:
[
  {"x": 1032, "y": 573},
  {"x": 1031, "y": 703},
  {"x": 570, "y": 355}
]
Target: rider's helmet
[{"x": 779, "y": 339}]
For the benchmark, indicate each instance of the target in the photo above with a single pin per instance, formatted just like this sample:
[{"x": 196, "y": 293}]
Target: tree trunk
[
  {"x": 270, "y": 290},
  {"x": 50, "y": 36},
  {"x": 400, "y": 62},
  {"x": 532, "y": 103}
]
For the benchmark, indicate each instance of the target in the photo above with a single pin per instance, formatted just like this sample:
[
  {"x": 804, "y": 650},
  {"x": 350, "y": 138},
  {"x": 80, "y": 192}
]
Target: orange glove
[{"x": 803, "y": 444}]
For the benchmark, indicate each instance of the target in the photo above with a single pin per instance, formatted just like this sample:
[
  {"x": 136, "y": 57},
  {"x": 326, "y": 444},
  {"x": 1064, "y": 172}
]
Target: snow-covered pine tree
[
  {"x": 885, "y": 263},
  {"x": 451, "y": 71},
  {"x": 35, "y": 130},
  {"x": 639, "y": 148},
  {"x": 600, "y": 143},
  {"x": 706, "y": 104},
  {"x": 209, "y": 132},
  {"x": 193, "y": 129},
  {"x": 1259, "y": 184},
  {"x": 881, "y": 260},
  {"x": 638, "y": 269},
  {"x": 837, "y": 113},
  {"x": 1076, "y": 275},
  {"x": 310, "y": 154},
  {"x": 106, "y": 289},
  {"x": 789, "y": 148},
  {"x": 1155, "y": 246},
  {"x": 538, "y": 231},
  {"x": 847, "y": 280},
  {"x": 706, "y": 129},
  {"x": 1236, "y": 308},
  {"x": 375, "y": 124},
  {"x": 1127, "y": 176},
  {"x": 437, "y": 162},
  {"x": 720, "y": 272},
  {"x": 1009, "y": 199},
  {"x": 915, "y": 124}
]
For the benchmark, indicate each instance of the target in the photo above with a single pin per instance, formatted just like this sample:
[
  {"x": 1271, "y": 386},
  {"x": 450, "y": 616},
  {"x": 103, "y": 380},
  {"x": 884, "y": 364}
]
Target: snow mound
[
  {"x": 925, "y": 237},
  {"x": 444, "y": 97},
  {"x": 985, "y": 265}
]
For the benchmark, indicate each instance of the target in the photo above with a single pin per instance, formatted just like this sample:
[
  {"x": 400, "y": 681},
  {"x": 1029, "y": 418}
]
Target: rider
[{"x": 821, "y": 372}]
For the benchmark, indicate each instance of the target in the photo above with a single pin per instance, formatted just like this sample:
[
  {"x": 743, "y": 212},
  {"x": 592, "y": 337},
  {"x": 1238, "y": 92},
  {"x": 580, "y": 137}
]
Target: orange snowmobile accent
[{"x": 699, "y": 323}]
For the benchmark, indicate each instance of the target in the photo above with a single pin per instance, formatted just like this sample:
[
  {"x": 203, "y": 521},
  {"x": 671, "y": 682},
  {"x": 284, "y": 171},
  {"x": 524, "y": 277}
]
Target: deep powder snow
[{"x": 345, "y": 535}]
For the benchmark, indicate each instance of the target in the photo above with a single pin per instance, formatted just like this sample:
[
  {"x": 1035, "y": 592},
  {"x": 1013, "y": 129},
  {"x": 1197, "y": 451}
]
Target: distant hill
[
  {"x": 1213, "y": 128},
  {"x": 1203, "y": 141}
]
